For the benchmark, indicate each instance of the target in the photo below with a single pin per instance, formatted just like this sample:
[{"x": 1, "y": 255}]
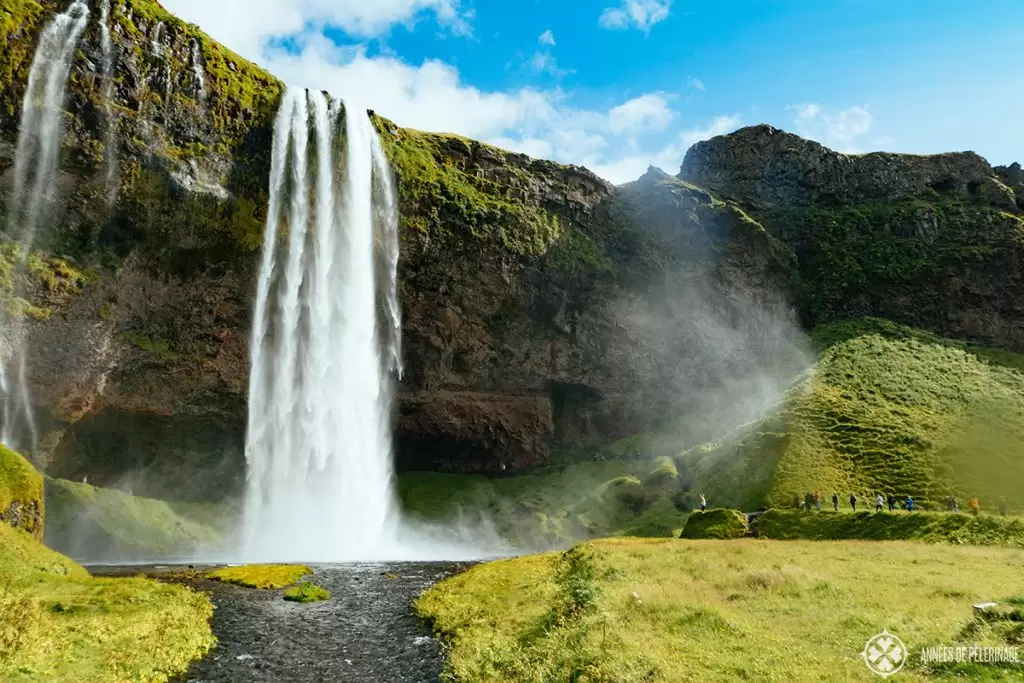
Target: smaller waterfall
[
  {"x": 158, "y": 34},
  {"x": 199, "y": 72},
  {"x": 110, "y": 136},
  {"x": 35, "y": 179}
]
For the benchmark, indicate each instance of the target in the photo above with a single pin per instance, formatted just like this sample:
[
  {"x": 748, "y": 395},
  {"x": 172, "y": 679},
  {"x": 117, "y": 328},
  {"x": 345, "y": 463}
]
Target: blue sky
[{"x": 620, "y": 84}]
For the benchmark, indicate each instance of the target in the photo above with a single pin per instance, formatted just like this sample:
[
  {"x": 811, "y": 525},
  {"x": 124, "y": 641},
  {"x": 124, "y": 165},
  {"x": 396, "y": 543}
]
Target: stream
[{"x": 365, "y": 633}]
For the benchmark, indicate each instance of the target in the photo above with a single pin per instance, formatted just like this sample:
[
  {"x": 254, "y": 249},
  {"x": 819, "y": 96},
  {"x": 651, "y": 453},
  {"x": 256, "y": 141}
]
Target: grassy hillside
[
  {"x": 932, "y": 527},
  {"x": 669, "y": 610},
  {"x": 21, "y": 493},
  {"x": 886, "y": 409},
  {"x": 57, "y": 623},
  {"x": 551, "y": 508},
  {"x": 103, "y": 524}
]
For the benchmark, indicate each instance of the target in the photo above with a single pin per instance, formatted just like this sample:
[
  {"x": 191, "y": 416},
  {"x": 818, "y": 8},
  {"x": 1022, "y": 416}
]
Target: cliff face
[
  {"x": 544, "y": 311},
  {"x": 936, "y": 242},
  {"x": 520, "y": 279}
]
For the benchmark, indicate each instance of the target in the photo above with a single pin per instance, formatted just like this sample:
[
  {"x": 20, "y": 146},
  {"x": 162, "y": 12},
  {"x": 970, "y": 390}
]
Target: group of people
[{"x": 812, "y": 501}]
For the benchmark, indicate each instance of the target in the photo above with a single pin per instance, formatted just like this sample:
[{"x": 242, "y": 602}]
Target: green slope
[
  {"x": 885, "y": 409},
  {"x": 58, "y": 623}
]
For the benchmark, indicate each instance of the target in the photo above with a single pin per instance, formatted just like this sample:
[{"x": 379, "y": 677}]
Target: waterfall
[
  {"x": 158, "y": 34},
  {"x": 35, "y": 179},
  {"x": 110, "y": 136},
  {"x": 318, "y": 446},
  {"x": 198, "y": 72}
]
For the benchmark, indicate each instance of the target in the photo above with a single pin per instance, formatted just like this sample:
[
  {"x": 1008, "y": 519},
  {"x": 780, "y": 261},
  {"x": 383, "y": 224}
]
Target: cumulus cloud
[
  {"x": 243, "y": 25},
  {"x": 639, "y": 14},
  {"x": 617, "y": 140},
  {"x": 648, "y": 112},
  {"x": 695, "y": 83},
  {"x": 842, "y": 130}
]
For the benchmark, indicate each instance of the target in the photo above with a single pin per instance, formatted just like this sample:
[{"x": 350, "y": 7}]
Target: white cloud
[
  {"x": 695, "y": 83},
  {"x": 648, "y": 112},
  {"x": 618, "y": 141},
  {"x": 243, "y": 25},
  {"x": 543, "y": 61},
  {"x": 841, "y": 130},
  {"x": 547, "y": 38},
  {"x": 640, "y": 14}
]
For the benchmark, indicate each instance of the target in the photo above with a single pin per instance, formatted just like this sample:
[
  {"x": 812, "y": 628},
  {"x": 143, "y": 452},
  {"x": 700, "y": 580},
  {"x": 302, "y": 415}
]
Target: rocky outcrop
[
  {"x": 929, "y": 241},
  {"x": 764, "y": 168}
]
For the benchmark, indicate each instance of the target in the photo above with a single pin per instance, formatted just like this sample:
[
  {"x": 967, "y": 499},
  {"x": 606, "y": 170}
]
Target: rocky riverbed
[{"x": 365, "y": 632}]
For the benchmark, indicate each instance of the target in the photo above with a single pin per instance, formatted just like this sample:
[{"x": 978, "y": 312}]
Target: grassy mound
[
  {"x": 59, "y": 624},
  {"x": 93, "y": 523},
  {"x": 21, "y": 493},
  {"x": 265, "y": 576},
  {"x": 306, "y": 592},
  {"x": 937, "y": 527},
  {"x": 550, "y": 509},
  {"x": 887, "y": 409},
  {"x": 720, "y": 524},
  {"x": 669, "y": 610}
]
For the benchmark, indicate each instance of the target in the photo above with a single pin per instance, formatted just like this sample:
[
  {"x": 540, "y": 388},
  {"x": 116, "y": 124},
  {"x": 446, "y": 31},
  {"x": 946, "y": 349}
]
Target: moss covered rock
[
  {"x": 21, "y": 493},
  {"x": 716, "y": 524},
  {"x": 306, "y": 592}
]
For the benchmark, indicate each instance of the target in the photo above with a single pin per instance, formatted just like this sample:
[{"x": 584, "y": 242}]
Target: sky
[{"x": 620, "y": 85}]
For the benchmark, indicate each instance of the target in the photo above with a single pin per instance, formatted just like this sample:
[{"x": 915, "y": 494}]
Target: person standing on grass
[
  {"x": 956, "y": 504},
  {"x": 892, "y": 502},
  {"x": 910, "y": 504},
  {"x": 853, "y": 501},
  {"x": 975, "y": 505},
  {"x": 1002, "y": 506},
  {"x": 703, "y": 503},
  {"x": 817, "y": 500},
  {"x": 879, "y": 501},
  {"x": 835, "y": 502}
]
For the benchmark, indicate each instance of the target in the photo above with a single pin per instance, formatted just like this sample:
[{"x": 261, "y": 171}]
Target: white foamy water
[
  {"x": 320, "y": 480},
  {"x": 110, "y": 136},
  {"x": 35, "y": 180},
  {"x": 199, "y": 72}
]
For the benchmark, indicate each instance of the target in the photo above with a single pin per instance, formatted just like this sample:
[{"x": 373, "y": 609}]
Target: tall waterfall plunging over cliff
[
  {"x": 318, "y": 445},
  {"x": 35, "y": 179}
]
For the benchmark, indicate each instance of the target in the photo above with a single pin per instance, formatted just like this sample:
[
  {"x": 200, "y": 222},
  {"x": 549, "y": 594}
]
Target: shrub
[{"x": 717, "y": 524}]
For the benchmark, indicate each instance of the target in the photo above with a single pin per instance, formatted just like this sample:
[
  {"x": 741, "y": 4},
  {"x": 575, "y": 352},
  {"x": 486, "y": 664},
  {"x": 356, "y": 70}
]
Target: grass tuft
[
  {"x": 306, "y": 592},
  {"x": 263, "y": 576}
]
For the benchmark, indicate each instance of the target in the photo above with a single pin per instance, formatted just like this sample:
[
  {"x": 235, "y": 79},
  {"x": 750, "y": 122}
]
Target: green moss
[
  {"x": 156, "y": 347},
  {"x": 18, "y": 19},
  {"x": 853, "y": 257},
  {"x": 21, "y": 493},
  {"x": 716, "y": 524},
  {"x": 932, "y": 527},
  {"x": 59, "y": 624},
  {"x": 445, "y": 194},
  {"x": 263, "y": 576},
  {"x": 96, "y": 523},
  {"x": 306, "y": 592}
]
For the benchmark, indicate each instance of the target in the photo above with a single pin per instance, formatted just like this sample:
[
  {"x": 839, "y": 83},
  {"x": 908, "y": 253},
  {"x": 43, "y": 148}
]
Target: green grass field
[
  {"x": 654, "y": 610},
  {"x": 57, "y": 623},
  {"x": 886, "y": 409}
]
